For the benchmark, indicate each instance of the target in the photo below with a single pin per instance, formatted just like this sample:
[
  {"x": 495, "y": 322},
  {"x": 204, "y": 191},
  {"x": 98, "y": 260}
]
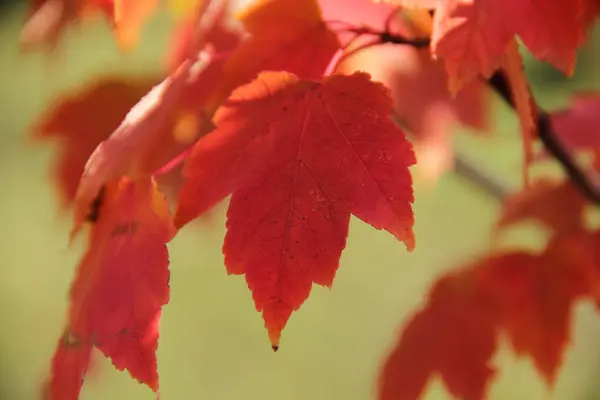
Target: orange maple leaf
[
  {"x": 299, "y": 158},
  {"x": 129, "y": 17},
  {"x": 284, "y": 35},
  {"x": 122, "y": 282}
]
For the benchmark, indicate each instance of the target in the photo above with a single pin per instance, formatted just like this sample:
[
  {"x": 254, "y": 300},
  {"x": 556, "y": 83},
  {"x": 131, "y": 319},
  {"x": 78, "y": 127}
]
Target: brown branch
[
  {"x": 388, "y": 37},
  {"x": 472, "y": 171},
  {"x": 551, "y": 143},
  {"x": 547, "y": 136}
]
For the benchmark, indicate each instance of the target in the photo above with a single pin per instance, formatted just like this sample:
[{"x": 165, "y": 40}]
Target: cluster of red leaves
[
  {"x": 273, "y": 112},
  {"x": 525, "y": 296}
]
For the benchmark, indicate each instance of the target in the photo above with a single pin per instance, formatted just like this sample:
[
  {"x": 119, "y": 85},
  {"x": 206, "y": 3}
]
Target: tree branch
[
  {"x": 388, "y": 37},
  {"x": 547, "y": 136},
  {"x": 481, "y": 177}
]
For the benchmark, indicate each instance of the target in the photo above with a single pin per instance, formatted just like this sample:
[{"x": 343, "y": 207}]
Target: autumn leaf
[
  {"x": 512, "y": 66},
  {"x": 527, "y": 296},
  {"x": 472, "y": 35},
  {"x": 122, "y": 282},
  {"x": 538, "y": 294},
  {"x": 144, "y": 131},
  {"x": 356, "y": 13},
  {"x": 207, "y": 26},
  {"x": 76, "y": 125},
  {"x": 299, "y": 157},
  {"x": 69, "y": 367},
  {"x": 423, "y": 103},
  {"x": 129, "y": 17},
  {"x": 284, "y": 35},
  {"x": 557, "y": 205},
  {"x": 453, "y": 336},
  {"x": 419, "y": 83}
]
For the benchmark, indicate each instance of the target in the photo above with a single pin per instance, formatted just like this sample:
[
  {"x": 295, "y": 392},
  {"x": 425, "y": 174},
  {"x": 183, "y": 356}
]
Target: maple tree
[{"x": 272, "y": 106}]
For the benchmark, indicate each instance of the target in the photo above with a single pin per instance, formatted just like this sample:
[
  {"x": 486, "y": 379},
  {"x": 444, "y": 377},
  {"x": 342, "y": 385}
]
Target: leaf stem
[{"x": 174, "y": 162}]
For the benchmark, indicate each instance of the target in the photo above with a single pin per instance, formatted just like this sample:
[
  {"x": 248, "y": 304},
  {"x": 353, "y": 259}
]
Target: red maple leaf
[
  {"x": 454, "y": 336},
  {"x": 419, "y": 84},
  {"x": 79, "y": 128},
  {"x": 537, "y": 295},
  {"x": 74, "y": 121},
  {"x": 422, "y": 101},
  {"x": 284, "y": 35},
  {"x": 299, "y": 157},
  {"x": 472, "y": 35},
  {"x": 70, "y": 365},
  {"x": 122, "y": 282},
  {"x": 145, "y": 140},
  {"x": 529, "y": 297},
  {"x": 556, "y": 204}
]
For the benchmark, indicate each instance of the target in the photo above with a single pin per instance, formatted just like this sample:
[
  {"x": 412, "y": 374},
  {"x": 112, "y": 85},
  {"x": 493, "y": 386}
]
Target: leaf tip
[{"x": 274, "y": 335}]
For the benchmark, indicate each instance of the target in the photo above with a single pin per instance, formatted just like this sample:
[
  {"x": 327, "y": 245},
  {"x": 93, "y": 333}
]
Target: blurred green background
[{"x": 213, "y": 344}]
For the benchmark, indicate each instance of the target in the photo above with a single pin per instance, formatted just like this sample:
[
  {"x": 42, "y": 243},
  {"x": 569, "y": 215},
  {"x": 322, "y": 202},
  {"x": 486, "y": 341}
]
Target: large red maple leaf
[
  {"x": 299, "y": 157},
  {"x": 122, "y": 282}
]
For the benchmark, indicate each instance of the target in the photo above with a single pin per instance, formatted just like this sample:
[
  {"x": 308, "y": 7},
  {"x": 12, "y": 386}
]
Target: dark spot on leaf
[
  {"x": 70, "y": 340},
  {"x": 125, "y": 229},
  {"x": 96, "y": 205}
]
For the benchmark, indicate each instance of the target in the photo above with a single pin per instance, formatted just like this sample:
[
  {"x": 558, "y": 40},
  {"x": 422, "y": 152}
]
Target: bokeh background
[{"x": 213, "y": 344}]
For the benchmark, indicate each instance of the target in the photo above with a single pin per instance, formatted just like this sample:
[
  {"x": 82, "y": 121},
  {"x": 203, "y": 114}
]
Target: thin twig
[{"x": 387, "y": 37}]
